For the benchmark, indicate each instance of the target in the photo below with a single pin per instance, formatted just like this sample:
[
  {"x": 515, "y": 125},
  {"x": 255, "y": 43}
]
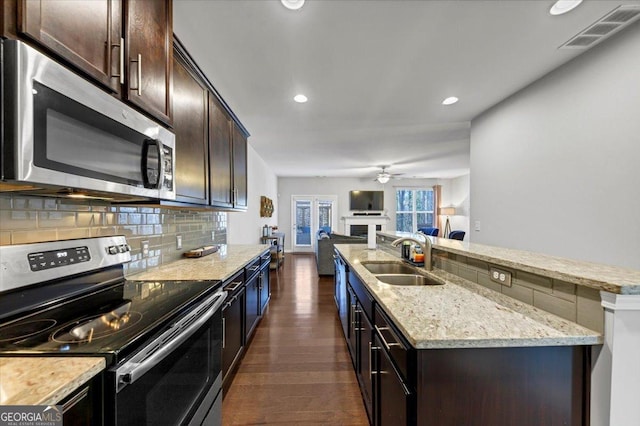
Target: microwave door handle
[
  {"x": 132, "y": 371},
  {"x": 145, "y": 163},
  {"x": 161, "y": 168}
]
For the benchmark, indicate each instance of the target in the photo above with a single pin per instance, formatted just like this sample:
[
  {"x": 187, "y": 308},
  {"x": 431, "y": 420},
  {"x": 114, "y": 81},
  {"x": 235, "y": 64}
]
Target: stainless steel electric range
[{"x": 162, "y": 340}]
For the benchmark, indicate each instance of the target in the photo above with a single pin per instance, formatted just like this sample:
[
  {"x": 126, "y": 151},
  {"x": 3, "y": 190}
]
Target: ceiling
[{"x": 375, "y": 73}]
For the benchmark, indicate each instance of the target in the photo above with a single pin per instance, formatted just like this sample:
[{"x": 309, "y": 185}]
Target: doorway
[{"x": 309, "y": 213}]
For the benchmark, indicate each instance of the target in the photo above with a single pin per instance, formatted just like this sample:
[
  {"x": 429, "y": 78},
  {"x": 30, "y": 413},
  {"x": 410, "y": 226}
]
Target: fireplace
[{"x": 361, "y": 230}]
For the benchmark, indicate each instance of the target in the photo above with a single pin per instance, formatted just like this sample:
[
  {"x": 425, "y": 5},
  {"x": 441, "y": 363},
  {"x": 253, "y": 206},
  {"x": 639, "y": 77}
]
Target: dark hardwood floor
[{"x": 297, "y": 369}]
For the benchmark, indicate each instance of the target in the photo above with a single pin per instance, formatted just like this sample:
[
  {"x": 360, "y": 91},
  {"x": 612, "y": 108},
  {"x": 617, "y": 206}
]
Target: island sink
[
  {"x": 388, "y": 268},
  {"x": 407, "y": 279}
]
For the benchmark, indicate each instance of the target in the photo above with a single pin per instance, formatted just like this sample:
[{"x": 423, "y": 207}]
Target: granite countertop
[
  {"x": 44, "y": 380},
  {"x": 221, "y": 265},
  {"x": 461, "y": 314},
  {"x": 595, "y": 275}
]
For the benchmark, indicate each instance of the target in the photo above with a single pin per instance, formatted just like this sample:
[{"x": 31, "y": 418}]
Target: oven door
[
  {"x": 176, "y": 379},
  {"x": 63, "y": 132}
]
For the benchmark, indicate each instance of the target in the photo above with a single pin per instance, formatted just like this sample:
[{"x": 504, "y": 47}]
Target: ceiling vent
[{"x": 605, "y": 27}]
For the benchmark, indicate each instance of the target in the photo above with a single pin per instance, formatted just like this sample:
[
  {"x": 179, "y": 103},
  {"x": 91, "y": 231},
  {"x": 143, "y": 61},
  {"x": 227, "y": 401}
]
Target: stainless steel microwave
[{"x": 61, "y": 135}]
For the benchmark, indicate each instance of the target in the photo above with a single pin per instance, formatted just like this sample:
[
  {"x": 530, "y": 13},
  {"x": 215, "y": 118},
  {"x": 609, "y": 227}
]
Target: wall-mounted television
[{"x": 366, "y": 200}]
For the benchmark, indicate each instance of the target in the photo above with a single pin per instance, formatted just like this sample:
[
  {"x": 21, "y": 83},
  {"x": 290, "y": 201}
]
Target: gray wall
[{"x": 555, "y": 168}]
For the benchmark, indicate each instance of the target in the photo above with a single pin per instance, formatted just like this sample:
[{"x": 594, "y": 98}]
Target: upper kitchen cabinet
[
  {"x": 190, "y": 126},
  {"x": 220, "y": 155},
  {"x": 88, "y": 34},
  {"x": 227, "y": 158},
  {"x": 149, "y": 39},
  {"x": 123, "y": 46},
  {"x": 239, "y": 168}
]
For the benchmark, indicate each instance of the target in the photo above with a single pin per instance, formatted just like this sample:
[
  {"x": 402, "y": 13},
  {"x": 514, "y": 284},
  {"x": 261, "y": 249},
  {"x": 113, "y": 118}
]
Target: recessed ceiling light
[
  {"x": 564, "y": 6},
  {"x": 292, "y": 4},
  {"x": 300, "y": 98},
  {"x": 450, "y": 100}
]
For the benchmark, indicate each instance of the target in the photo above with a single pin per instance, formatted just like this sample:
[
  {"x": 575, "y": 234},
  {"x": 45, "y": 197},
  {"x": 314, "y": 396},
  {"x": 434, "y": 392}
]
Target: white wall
[
  {"x": 555, "y": 168},
  {"x": 288, "y": 186},
  {"x": 246, "y": 227},
  {"x": 455, "y": 192}
]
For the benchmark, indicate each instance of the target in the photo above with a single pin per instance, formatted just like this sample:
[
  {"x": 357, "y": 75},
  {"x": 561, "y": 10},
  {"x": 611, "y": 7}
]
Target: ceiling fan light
[
  {"x": 383, "y": 178},
  {"x": 292, "y": 4},
  {"x": 563, "y": 6}
]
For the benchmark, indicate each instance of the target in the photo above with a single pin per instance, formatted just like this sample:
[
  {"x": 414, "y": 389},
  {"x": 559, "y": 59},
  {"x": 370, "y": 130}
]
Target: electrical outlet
[
  {"x": 213, "y": 235},
  {"x": 145, "y": 249},
  {"x": 477, "y": 226},
  {"x": 500, "y": 276},
  {"x": 178, "y": 242}
]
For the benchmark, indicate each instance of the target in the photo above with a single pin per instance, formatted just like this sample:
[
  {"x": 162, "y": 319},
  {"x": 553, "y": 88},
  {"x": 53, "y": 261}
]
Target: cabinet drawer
[
  {"x": 252, "y": 268},
  {"x": 234, "y": 284},
  {"x": 392, "y": 342},
  {"x": 265, "y": 258},
  {"x": 365, "y": 299}
]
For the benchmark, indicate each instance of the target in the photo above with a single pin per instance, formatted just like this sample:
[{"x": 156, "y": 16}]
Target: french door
[{"x": 310, "y": 213}]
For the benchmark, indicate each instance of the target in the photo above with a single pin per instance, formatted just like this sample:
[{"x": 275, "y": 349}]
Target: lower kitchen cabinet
[
  {"x": 264, "y": 282},
  {"x": 248, "y": 297},
  {"x": 252, "y": 305},
  {"x": 402, "y": 385},
  {"x": 232, "y": 326},
  {"x": 84, "y": 406}
]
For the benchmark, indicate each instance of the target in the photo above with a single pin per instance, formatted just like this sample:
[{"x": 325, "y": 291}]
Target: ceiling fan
[{"x": 384, "y": 175}]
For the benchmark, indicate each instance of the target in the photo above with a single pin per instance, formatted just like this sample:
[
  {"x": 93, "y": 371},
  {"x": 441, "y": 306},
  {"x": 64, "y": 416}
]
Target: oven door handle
[{"x": 134, "y": 369}]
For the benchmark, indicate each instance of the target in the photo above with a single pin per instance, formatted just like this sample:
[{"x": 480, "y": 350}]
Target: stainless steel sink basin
[
  {"x": 407, "y": 279},
  {"x": 389, "y": 268}
]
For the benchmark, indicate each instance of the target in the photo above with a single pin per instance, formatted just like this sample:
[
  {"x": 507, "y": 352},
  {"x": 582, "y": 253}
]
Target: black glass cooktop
[{"x": 111, "y": 320}]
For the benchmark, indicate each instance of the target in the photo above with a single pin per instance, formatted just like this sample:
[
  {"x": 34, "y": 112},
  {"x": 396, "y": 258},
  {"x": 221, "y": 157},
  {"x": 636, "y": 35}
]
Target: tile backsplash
[{"x": 25, "y": 219}]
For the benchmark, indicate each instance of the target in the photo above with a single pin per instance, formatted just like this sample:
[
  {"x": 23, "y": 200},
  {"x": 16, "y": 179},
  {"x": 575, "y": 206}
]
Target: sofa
[{"x": 324, "y": 249}]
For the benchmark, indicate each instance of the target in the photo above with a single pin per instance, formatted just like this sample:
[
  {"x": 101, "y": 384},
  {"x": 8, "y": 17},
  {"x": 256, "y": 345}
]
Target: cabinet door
[
  {"x": 84, "y": 406},
  {"x": 252, "y": 305},
  {"x": 365, "y": 371},
  {"x": 85, "y": 33},
  {"x": 392, "y": 395},
  {"x": 239, "y": 168},
  {"x": 149, "y": 39},
  {"x": 190, "y": 125},
  {"x": 232, "y": 329},
  {"x": 354, "y": 326},
  {"x": 265, "y": 289},
  {"x": 220, "y": 154}
]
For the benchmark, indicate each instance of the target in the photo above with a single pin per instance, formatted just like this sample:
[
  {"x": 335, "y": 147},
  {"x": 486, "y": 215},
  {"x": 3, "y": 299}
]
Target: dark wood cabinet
[
  {"x": 88, "y": 34},
  {"x": 365, "y": 365},
  {"x": 220, "y": 148},
  {"x": 149, "y": 40},
  {"x": 239, "y": 160},
  {"x": 392, "y": 396},
  {"x": 123, "y": 46},
  {"x": 85, "y": 405},
  {"x": 190, "y": 126},
  {"x": 340, "y": 292},
  {"x": 233, "y": 333},
  {"x": 265, "y": 282},
  {"x": 252, "y": 306},
  {"x": 227, "y": 157}
]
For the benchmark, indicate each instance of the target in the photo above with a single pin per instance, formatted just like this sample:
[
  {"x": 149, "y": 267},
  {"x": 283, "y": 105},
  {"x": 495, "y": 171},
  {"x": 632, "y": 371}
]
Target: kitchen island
[{"x": 456, "y": 352}]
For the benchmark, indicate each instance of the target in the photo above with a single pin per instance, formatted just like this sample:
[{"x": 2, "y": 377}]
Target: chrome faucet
[{"x": 425, "y": 246}]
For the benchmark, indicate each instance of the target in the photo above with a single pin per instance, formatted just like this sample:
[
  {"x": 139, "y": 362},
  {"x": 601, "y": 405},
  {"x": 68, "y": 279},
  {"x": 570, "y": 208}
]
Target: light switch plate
[
  {"x": 178, "y": 242},
  {"x": 213, "y": 236},
  {"x": 500, "y": 276},
  {"x": 145, "y": 248}
]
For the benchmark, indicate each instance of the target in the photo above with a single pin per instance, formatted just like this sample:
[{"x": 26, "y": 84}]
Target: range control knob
[{"x": 113, "y": 249}]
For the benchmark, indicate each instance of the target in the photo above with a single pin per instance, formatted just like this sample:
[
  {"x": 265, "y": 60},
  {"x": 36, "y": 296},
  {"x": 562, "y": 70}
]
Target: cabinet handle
[
  {"x": 224, "y": 333},
  {"x": 384, "y": 341},
  {"x": 253, "y": 268},
  {"x": 139, "y": 61},
  {"x": 370, "y": 369},
  {"x": 232, "y": 289},
  {"x": 120, "y": 74}
]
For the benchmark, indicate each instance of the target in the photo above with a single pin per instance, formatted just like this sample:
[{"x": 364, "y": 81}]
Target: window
[{"x": 414, "y": 209}]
